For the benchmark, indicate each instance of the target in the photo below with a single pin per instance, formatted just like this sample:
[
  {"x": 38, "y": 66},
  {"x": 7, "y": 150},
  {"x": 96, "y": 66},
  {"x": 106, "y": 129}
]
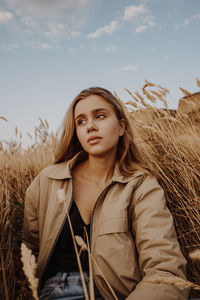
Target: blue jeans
[{"x": 66, "y": 286}]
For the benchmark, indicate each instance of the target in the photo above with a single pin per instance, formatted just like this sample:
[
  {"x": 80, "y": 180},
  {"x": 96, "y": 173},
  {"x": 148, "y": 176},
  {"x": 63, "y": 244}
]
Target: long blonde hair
[{"x": 128, "y": 156}]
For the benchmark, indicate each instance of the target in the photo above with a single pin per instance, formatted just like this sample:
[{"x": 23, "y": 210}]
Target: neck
[{"x": 101, "y": 168}]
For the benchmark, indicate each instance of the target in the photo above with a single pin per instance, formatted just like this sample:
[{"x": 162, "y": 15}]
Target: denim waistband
[{"x": 69, "y": 277}]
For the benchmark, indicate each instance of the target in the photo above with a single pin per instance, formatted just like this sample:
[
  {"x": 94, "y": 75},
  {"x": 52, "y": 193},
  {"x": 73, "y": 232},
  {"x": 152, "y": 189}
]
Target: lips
[{"x": 93, "y": 138}]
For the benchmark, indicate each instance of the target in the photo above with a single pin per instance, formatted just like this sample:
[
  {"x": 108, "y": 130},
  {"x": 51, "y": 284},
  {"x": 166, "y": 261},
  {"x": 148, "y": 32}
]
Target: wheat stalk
[
  {"x": 42, "y": 123},
  {"x": 174, "y": 280},
  {"x": 198, "y": 82},
  {"x": 195, "y": 254},
  {"x": 61, "y": 196},
  {"x": 163, "y": 89},
  {"x": 81, "y": 243},
  {"x": 29, "y": 268},
  {"x": 3, "y": 118},
  {"x": 185, "y": 92}
]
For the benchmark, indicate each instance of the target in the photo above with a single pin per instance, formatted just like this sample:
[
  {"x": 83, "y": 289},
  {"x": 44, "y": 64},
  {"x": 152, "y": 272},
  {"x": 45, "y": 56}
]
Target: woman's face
[{"x": 97, "y": 126}]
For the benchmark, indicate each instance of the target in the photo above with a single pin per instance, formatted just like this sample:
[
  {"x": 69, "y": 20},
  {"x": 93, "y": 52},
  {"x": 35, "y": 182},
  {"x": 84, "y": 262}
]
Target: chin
[{"x": 102, "y": 152}]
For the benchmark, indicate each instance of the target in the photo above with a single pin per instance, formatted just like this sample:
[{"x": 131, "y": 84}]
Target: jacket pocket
[{"x": 113, "y": 225}]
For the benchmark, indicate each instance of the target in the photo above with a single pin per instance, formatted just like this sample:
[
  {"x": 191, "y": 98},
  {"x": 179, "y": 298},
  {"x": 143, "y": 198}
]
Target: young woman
[{"x": 109, "y": 191}]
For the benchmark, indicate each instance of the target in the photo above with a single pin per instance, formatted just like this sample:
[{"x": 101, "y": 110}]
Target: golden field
[{"x": 168, "y": 140}]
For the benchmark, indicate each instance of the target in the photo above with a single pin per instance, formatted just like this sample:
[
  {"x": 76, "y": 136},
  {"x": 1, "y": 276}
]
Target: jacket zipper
[
  {"x": 91, "y": 223},
  {"x": 70, "y": 204},
  {"x": 61, "y": 227}
]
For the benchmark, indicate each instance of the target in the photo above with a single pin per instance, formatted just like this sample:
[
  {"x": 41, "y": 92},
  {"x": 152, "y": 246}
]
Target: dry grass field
[{"x": 168, "y": 140}]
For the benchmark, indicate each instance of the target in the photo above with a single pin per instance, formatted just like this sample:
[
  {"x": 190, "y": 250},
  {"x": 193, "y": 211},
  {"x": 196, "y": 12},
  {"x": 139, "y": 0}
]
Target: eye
[
  {"x": 81, "y": 121},
  {"x": 100, "y": 116}
]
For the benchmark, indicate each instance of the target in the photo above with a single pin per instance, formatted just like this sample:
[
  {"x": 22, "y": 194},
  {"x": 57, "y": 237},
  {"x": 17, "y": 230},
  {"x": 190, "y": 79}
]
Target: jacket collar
[{"x": 63, "y": 171}]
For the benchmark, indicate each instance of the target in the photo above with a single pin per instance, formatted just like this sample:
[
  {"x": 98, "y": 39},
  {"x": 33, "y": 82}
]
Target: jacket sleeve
[
  {"x": 159, "y": 253},
  {"x": 30, "y": 233}
]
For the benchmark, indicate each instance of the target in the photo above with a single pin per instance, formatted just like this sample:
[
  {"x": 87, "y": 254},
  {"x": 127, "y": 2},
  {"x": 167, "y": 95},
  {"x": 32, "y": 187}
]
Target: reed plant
[{"x": 169, "y": 141}]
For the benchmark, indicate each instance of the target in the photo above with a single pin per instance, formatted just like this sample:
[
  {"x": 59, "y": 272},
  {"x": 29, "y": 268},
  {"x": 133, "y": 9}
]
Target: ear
[{"x": 122, "y": 124}]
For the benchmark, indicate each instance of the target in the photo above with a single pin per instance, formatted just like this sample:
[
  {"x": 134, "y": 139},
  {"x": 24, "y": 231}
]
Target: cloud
[
  {"x": 9, "y": 47},
  {"x": 48, "y": 8},
  {"x": 185, "y": 23},
  {"x": 55, "y": 30},
  {"x": 153, "y": 48},
  {"x": 29, "y": 22},
  {"x": 129, "y": 68},
  {"x": 140, "y": 16},
  {"x": 151, "y": 23},
  {"x": 46, "y": 19},
  {"x": 107, "y": 29},
  {"x": 39, "y": 45},
  {"x": 5, "y": 16},
  {"x": 141, "y": 28},
  {"x": 132, "y": 12},
  {"x": 188, "y": 21},
  {"x": 109, "y": 49}
]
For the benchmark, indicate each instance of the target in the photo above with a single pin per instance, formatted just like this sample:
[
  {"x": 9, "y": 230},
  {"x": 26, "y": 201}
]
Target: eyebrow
[{"x": 93, "y": 111}]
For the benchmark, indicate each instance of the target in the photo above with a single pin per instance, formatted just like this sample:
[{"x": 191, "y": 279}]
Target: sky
[{"x": 50, "y": 50}]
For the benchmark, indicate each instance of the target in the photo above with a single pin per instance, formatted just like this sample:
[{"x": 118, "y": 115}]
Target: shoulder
[
  {"x": 55, "y": 171},
  {"x": 145, "y": 184},
  {"x": 143, "y": 179}
]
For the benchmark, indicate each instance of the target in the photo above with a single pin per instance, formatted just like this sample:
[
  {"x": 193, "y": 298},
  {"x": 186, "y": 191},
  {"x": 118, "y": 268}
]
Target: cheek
[
  {"x": 114, "y": 129},
  {"x": 78, "y": 134},
  {"x": 81, "y": 136}
]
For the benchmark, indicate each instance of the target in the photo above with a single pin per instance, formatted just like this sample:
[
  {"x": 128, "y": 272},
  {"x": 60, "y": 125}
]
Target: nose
[{"x": 91, "y": 126}]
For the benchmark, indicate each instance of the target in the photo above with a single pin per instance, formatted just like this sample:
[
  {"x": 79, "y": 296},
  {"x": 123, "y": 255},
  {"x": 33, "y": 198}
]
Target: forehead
[{"x": 90, "y": 103}]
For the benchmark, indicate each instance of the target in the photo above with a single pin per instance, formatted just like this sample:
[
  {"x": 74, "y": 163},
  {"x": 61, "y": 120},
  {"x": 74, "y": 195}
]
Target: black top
[{"x": 63, "y": 257}]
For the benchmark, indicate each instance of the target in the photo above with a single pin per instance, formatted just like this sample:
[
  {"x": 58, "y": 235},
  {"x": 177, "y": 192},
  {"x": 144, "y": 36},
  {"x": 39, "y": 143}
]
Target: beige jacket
[{"x": 132, "y": 232}]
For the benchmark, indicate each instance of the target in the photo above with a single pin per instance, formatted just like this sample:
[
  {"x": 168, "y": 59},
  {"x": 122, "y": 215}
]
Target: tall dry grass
[
  {"x": 170, "y": 143},
  {"x": 18, "y": 167}
]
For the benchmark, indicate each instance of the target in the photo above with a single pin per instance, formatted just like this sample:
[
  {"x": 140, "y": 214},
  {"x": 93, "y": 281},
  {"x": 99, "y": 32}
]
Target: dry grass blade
[
  {"x": 198, "y": 82},
  {"x": 29, "y": 267},
  {"x": 16, "y": 130},
  {"x": 160, "y": 95},
  {"x": 150, "y": 97},
  {"x": 42, "y": 123},
  {"x": 108, "y": 284},
  {"x": 163, "y": 89},
  {"x": 131, "y": 94},
  {"x": 155, "y": 93},
  {"x": 61, "y": 197},
  {"x": 82, "y": 244},
  {"x": 29, "y": 135},
  {"x": 141, "y": 99},
  {"x": 195, "y": 254},
  {"x": 147, "y": 83},
  {"x": 1, "y": 146},
  {"x": 163, "y": 93},
  {"x": 37, "y": 130},
  {"x": 132, "y": 103},
  {"x": 3, "y": 118},
  {"x": 177, "y": 281},
  {"x": 47, "y": 124},
  {"x": 116, "y": 96},
  {"x": 4, "y": 276},
  {"x": 185, "y": 92},
  {"x": 92, "y": 294}
]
